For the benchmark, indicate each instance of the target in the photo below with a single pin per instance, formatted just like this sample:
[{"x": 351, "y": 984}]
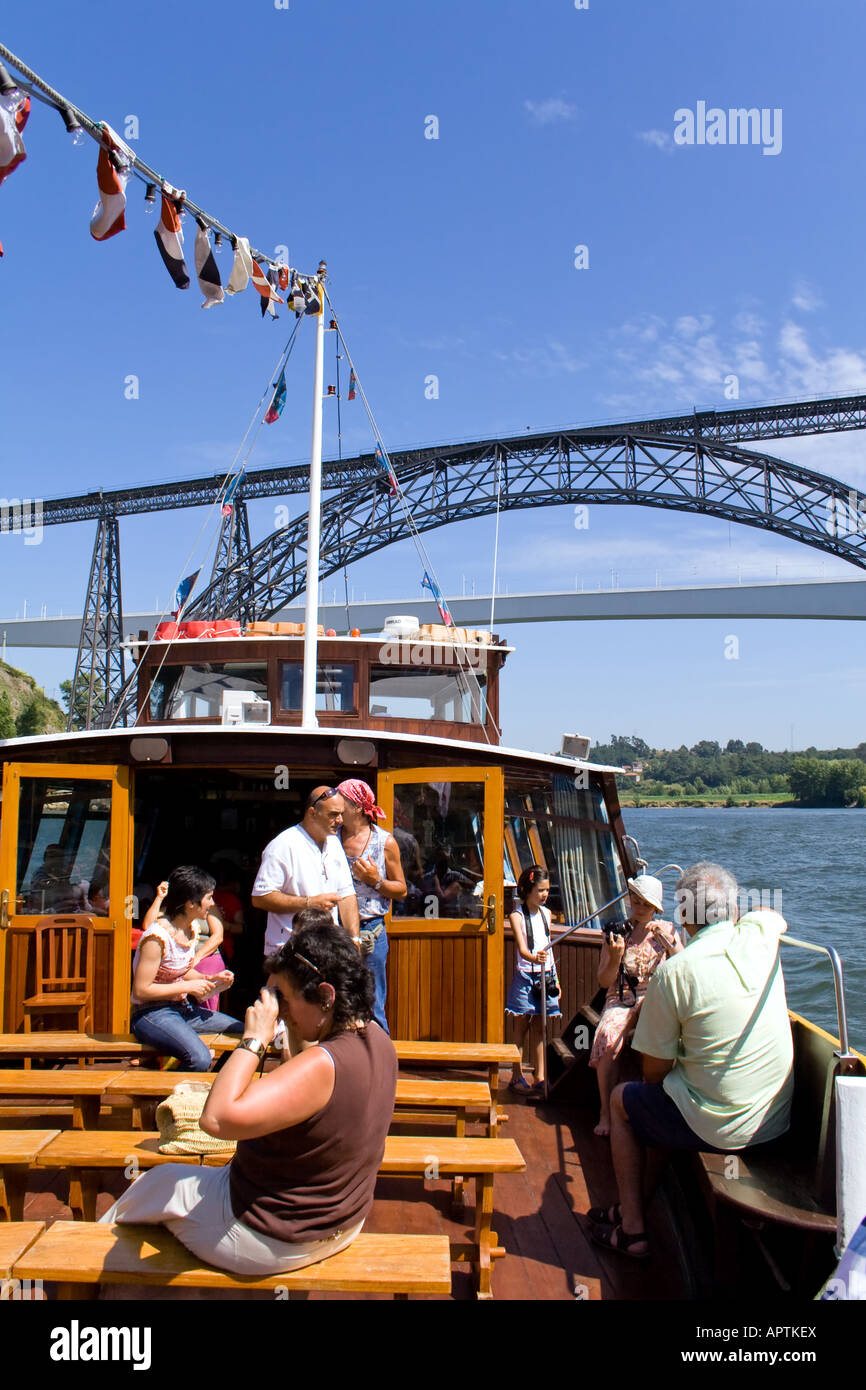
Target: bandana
[{"x": 362, "y": 795}]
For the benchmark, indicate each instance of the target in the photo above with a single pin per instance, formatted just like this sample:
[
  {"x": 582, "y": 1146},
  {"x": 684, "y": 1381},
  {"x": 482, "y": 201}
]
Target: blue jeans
[
  {"x": 376, "y": 962},
  {"x": 173, "y": 1030}
]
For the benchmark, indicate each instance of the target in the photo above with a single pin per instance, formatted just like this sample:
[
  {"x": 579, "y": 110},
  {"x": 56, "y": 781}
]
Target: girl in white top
[{"x": 535, "y": 964}]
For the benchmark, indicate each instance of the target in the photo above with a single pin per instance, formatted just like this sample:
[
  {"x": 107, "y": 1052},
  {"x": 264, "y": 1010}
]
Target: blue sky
[{"x": 305, "y": 127}]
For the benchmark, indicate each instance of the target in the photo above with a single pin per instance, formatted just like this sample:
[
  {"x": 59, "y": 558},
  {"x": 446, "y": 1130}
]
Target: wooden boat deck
[{"x": 538, "y": 1214}]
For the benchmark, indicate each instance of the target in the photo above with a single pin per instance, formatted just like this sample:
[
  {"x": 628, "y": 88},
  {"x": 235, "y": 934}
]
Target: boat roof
[{"x": 468, "y": 749}]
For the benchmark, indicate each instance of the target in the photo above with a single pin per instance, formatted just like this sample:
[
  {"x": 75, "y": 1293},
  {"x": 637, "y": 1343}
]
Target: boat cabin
[{"x": 218, "y": 764}]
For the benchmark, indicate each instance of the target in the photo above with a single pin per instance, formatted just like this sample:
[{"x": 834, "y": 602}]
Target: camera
[{"x": 612, "y": 929}]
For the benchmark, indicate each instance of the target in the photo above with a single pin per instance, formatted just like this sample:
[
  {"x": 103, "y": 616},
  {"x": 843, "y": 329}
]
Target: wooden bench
[
  {"x": 455, "y": 1098},
  {"x": 83, "y": 1087},
  {"x": 18, "y": 1152},
  {"x": 86, "y": 1155},
  {"x": 16, "y": 1237},
  {"x": 789, "y": 1183},
  {"x": 88, "y": 1047},
  {"x": 80, "y": 1257}
]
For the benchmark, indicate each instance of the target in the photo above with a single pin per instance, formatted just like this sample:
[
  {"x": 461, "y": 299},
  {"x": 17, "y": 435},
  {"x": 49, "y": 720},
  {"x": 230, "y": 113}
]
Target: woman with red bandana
[{"x": 374, "y": 859}]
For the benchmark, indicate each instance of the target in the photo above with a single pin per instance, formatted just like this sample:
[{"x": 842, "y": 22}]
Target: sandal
[
  {"x": 601, "y": 1216},
  {"x": 617, "y": 1240},
  {"x": 519, "y": 1085}
]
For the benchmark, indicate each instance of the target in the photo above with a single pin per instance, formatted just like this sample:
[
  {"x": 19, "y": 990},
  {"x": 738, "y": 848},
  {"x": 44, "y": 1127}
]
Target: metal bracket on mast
[{"x": 100, "y": 663}]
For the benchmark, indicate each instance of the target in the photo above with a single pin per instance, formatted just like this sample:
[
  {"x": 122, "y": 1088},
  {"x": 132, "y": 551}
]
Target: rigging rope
[
  {"x": 496, "y": 537},
  {"x": 234, "y": 472},
  {"x": 35, "y": 85},
  {"x": 421, "y": 549}
]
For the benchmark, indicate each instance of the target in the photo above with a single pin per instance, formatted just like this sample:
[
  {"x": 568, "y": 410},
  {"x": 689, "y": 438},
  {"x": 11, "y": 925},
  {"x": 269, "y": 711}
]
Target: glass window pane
[
  {"x": 566, "y": 828},
  {"x": 64, "y": 841},
  {"x": 439, "y": 828},
  {"x": 335, "y": 686},
  {"x": 460, "y": 697},
  {"x": 195, "y": 692}
]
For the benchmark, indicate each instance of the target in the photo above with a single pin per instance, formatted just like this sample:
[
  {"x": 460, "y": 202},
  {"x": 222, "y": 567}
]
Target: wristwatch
[{"x": 253, "y": 1045}]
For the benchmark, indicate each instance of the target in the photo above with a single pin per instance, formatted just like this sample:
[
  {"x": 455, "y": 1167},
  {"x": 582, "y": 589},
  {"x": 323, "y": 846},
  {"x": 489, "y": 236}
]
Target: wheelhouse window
[
  {"x": 458, "y": 697},
  {"x": 195, "y": 692},
  {"x": 335, "y": 686},
  {"x": 64, "y": 840},
  {"x": 566, "y": 829}
]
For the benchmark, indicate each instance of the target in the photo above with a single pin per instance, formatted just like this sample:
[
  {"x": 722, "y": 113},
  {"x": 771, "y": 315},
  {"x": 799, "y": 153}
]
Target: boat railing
[{"x": 845, "y": 1053}]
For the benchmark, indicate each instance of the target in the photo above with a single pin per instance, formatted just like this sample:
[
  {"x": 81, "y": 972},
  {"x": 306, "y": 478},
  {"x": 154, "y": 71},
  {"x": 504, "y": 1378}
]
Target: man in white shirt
[{"x": 305, "y": 866}]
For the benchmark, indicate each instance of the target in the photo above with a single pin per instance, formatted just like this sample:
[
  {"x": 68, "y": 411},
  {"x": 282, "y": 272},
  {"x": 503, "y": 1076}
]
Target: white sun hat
[{"x": 650, "y": 889}]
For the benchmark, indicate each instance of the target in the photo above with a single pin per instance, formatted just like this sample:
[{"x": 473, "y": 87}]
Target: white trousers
[{"x": 194, "y": 1203}]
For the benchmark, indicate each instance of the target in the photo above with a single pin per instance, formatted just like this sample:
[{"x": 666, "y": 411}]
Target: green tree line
[{"x": 832, "y": 777}]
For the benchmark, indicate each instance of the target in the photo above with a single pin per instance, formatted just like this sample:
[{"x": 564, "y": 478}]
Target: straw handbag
[{"x": 178, "y": 1119}]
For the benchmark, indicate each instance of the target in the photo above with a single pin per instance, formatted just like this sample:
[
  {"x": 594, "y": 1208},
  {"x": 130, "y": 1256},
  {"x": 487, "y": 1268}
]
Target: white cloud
[
  {"x": 551, "y": 110},
  {"x": 660, "y": 139},
  {"x": 687, "y": 362},
  {"x": 688, "y": 326},
  {"x": 805, "y": 297},
  {"x": 544, "y": 357}
]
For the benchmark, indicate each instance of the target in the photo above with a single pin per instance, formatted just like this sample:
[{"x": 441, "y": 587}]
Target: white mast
[{"x": 311, "y": 610}]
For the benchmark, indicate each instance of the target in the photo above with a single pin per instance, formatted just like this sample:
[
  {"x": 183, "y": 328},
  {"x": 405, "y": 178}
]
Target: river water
[{"x": 808, "y": 864}]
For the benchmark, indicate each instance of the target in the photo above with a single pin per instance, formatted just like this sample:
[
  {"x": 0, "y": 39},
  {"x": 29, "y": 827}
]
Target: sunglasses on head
[{"x": 323, "y": 796}]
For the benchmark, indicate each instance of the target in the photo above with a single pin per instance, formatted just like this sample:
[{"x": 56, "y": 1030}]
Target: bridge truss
[{"x": 691, "y": 463}]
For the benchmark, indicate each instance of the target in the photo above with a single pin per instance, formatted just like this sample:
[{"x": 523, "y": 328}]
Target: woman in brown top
[{"x": 311, "y": 1133}]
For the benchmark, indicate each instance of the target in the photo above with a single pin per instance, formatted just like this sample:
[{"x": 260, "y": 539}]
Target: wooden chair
[{"x": 63, "y": 970}]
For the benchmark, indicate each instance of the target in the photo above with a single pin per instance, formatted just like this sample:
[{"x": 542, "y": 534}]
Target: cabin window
[
  {"x": 64, "y": 840},
  {"x": 195, "y": 692},
  {"x": 458, "y": 697},
  {"x": 439, "y": 829},
  {"x": 566, "y": 829},
  {"x": 335, "y": 686}
]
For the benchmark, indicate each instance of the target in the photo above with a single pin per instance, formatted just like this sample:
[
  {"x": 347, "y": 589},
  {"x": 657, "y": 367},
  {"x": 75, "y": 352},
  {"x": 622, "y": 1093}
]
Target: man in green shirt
[{"x": 717, "y": 1050}]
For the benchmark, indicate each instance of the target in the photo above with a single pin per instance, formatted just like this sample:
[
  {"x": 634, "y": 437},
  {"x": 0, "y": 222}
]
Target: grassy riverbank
[{"x": 632, "y": 799}]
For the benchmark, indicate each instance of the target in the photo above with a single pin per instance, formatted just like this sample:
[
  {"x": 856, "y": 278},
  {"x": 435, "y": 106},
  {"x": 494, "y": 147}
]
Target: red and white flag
[
  {"x": 169, "y": 239},
  {"x": 266, "y": 290},
  {"x": 14, "y": 110},
  {"x": 112, "y": 173}
]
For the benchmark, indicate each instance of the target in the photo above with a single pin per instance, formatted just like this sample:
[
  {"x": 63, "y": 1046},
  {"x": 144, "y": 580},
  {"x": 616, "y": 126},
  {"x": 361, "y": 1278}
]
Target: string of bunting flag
[{"x": 116, "y": 163}]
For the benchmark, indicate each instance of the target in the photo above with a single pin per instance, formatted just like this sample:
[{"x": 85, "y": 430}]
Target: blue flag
[
  {"x": 382, "y": 460},
  {"x": 184, "y": 589},
  {"x": 275, "y": 409},
  {"x": 444, "y": 613}
]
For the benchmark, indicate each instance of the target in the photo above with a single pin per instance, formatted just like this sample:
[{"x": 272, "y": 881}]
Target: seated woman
[
  {"x": 209, "y": 932},
  {"x": 624, "y": 970},
  {"x": 168, "y": 993},
  {"x": 311, "y": 1132}
]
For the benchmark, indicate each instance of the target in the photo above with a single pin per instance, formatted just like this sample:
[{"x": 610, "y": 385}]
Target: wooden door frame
[
  {"x": 119, "y": 920},
  {"x": 493, "y": 781}
]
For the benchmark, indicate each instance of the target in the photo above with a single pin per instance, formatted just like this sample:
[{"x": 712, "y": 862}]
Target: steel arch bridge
[{"x": 599, "y": 468}]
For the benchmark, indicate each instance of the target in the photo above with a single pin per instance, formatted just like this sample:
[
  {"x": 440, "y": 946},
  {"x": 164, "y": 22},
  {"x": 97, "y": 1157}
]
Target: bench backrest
[{"x": 812, "y": 1134}]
